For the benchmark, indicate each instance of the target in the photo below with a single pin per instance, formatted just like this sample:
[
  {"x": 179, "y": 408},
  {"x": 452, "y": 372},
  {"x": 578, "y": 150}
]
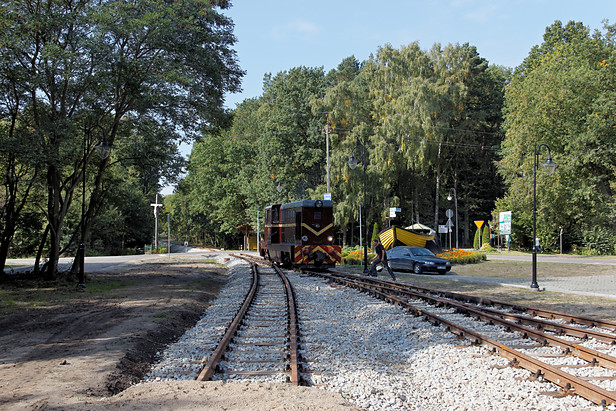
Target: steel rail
[
  {"x": 214, "y": 360},
  {"x": 561, "y": 329},
  {"x": 293, "y": 325},
  {"x": 538, "y": 312},
  {"x": 292, "y": 316},
  {"x": 570, "y": 384},
  {"x": 587, "y": 354}
]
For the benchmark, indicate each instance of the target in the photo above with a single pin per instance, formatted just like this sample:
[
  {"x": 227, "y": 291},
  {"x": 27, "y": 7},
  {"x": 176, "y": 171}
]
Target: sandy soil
[{"x": 83, "y": 350}]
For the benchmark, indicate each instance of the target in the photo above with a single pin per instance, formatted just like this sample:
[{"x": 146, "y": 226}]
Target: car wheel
[{"x": 417, "y": 268}]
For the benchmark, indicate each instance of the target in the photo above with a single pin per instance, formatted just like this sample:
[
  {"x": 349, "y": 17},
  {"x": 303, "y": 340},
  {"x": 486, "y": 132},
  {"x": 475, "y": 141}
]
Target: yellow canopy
[{"x": 396, "y": 235}]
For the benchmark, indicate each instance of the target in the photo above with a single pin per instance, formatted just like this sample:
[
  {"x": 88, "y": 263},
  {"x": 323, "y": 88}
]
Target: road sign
[
  {"x": 393, "y": 211},
  {"x": 449, "y": 213},
  {"x": 478, "y": 223},
  {"x": 327, "y": 196},
  {"x": 442, "y": 229},
  {"x": 504, "y": 222},
  {"x": 449, "y": 223}
]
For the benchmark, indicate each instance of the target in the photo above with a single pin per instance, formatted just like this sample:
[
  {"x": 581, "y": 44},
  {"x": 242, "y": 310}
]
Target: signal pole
[{"x": 156, "y": 205}]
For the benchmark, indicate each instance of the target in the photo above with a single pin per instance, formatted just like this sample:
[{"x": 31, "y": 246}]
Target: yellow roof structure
[{"x": 394, "y": 236}]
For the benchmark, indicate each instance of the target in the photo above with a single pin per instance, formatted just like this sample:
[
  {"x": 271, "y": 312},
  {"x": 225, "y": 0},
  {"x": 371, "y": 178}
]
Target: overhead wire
[{"x": 424, "y": 139}]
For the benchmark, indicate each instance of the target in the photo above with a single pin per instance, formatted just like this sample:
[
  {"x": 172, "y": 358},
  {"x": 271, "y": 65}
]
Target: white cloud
[
  {"x": 481, "y": 11},
  {"x": 294, "y": 29}
]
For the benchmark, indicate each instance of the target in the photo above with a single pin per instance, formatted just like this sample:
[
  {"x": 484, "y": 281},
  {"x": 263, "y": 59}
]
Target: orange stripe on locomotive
[{"x": 305, "y": 255}]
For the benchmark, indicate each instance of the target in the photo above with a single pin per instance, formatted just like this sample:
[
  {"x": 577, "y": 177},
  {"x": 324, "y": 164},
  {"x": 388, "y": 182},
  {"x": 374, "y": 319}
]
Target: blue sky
[{"x": 276, "y": 35}]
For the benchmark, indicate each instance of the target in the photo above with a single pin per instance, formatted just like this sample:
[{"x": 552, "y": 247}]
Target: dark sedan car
[{"x": 416, "y": 259}]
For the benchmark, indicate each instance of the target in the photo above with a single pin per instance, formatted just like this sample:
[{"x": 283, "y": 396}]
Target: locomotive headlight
[
  {"x": 330, "y": 239},
  {"x": 304, "y": 238}
]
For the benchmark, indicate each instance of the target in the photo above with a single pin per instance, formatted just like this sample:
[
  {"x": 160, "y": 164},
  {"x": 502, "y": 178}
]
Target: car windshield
[{"x": 422, "y": 251}]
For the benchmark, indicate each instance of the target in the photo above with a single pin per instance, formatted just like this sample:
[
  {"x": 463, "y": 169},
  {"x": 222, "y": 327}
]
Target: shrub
[
  {"x": 458, "y": 256},
  {"x": 598, "y": 241},
  {"x": 375, "y": 233},
  {"x": 485, "y": 235},
  {"x": 352, "y": 256},
  {"x": 487, "y": 247},
  {"x": 476, "y": 240}
]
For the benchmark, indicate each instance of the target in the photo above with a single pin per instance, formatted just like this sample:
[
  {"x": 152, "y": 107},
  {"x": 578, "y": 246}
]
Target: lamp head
[
  {"x": 103, "y": 149},
  {"x": 352, "y": 162},
  {"x": 549, "y": 166}
]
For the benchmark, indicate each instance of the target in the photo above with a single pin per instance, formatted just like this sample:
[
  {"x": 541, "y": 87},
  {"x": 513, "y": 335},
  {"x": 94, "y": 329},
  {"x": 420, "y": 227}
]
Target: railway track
[
  {"x": 575, "y": 353},
  {"x": 262, "y": 338}
]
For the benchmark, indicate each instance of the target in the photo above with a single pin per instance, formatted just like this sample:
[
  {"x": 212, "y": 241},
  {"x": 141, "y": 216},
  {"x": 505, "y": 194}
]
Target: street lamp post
[
  {"x": 549, "y": 166},
  {"x": 103, "y": 150},
  {"x": 455, "y": 198},
  {"x": 352, "y": 165}
]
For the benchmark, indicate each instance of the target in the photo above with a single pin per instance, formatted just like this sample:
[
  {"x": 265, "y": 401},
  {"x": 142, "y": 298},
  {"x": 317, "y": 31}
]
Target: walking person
[
  {"x": 381, "y": 257},
  {"x": 537, "y": 245}
]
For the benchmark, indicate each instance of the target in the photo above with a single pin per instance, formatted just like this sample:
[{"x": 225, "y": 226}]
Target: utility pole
[
  {"x": 169, "y": 234},
  {"x": 327, "y": 150},
  {"x": 156, "y": 205}
]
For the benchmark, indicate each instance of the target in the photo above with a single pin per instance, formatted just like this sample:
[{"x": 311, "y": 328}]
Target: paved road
[
  {"x": 598, "y": 285},
  {"x": 556, "y": 258},
  {"x": 98, "y": 264},
  {"x": 95, "y": 264},
  {"x": 591, "y": 285}
]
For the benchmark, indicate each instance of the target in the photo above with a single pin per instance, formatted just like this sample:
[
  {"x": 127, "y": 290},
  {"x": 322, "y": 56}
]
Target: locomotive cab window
[
  {"x": 275, "y": 230},
  {"x": 275, "y": 216}
]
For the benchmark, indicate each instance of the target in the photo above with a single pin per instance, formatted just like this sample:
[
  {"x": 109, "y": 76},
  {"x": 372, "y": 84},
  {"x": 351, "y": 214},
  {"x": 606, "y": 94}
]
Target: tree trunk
[
  {"x": 55, "y": 221},
  {"x": 7, "y": 237},
  {"x": 9, "y": 228},
  {"x": 437, "y": 188},
  {"x": 467, "y": 237},
  {"x": 416, "y": 203},
  {"x": 12, "y": 207},
  {"x": 39, "y": 253}
]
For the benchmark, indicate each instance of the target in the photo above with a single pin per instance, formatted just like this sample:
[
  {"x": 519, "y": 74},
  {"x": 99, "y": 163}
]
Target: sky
[{"x": 277, "y": 35}]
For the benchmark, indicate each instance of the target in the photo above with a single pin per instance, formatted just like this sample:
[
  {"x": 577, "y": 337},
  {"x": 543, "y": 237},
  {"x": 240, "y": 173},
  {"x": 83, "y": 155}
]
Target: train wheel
[{"x": 286, "y": 261}]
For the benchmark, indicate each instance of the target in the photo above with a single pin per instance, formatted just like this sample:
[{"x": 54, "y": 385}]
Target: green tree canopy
[
  {"x": 562, "y": 96},
  {"x": 83, "y": 67}
]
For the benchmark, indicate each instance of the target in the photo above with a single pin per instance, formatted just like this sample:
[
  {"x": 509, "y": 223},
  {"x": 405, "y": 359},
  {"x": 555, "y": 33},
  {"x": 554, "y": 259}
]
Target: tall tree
[
  {"x": 563, "y": 96},
  {"x": 85, "y": 65},
  {"x": 347, "y": 112},
  {"x": 292, "y": 147}
]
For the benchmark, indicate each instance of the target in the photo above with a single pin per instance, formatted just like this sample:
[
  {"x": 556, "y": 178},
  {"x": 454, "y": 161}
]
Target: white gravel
[{"x": 374, "y": 354}]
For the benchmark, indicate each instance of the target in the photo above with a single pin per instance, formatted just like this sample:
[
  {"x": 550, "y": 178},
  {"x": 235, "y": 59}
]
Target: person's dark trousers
[{"x": 385, "y": 263}]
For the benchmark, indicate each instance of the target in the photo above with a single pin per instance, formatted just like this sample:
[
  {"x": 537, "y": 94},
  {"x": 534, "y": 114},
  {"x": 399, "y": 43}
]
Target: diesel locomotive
[{"x": 300, "y": 234}]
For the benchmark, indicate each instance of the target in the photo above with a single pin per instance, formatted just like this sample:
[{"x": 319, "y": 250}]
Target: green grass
[
  {"x": 522, "y": 269},
  {"x": 9, "y": 302},
  {"x": 203, "y": 282},
  {"x": 103, "y": 287}
]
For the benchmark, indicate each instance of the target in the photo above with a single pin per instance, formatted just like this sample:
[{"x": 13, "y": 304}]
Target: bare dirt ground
[
  {"x": 61, "y": 348},
  {"x": 64, "y": 349}
]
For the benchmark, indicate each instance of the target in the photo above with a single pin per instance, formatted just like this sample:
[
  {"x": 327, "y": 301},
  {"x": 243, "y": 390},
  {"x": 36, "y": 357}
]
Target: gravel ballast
[{"x": 372, "y": 353}]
